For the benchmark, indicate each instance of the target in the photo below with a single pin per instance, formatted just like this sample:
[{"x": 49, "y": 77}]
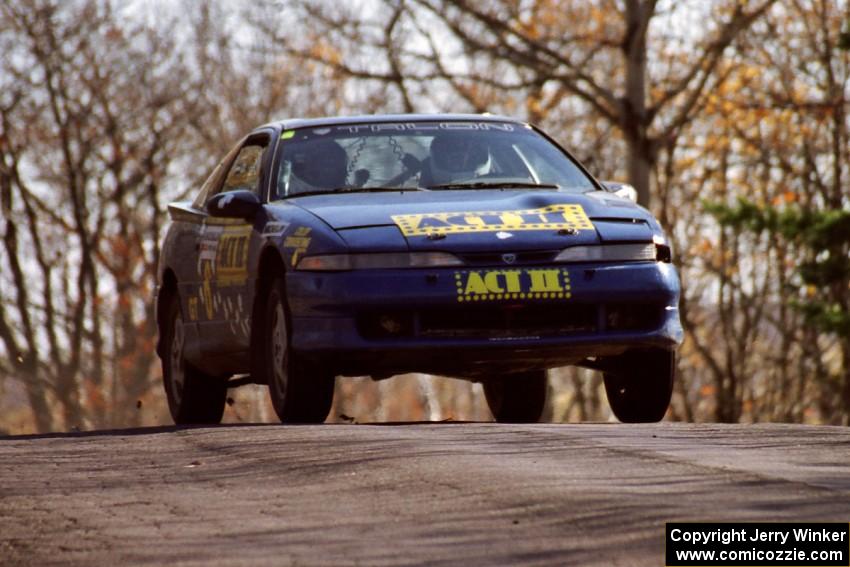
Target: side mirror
[
  {"x": 239, "y": 204},
  {"x": 623, "y": 190}
]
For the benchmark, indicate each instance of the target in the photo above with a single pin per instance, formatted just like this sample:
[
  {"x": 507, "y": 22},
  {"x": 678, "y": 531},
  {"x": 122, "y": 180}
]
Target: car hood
[{"x": 472, "y": 219}]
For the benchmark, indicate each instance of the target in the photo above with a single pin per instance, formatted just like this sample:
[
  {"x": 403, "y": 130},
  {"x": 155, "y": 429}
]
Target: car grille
[
  {"x": 516, "y": 258},
  {"x": 509, "y": 321}
]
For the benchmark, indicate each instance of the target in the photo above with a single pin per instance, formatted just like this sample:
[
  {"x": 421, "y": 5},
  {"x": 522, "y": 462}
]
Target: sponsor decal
[
  {"x": 207, "y": 291},
  {"x": 193, "y": 309},
  {"x": 208, "y": 252},
  {"x": 510, "y": 284},
  {"x": 274, "y": 229},
  {"x": 426, "y": 127},
  {"x": 232, "y": 257},
  {"x": 299, "y": 242},
  {"x": 208, "y": 247},
  {"x": 212, "y": 222},
  {"x": 222, "y": 262},
  {"x": 236, "y": 316},
  {"x": 553, "y": 217}
]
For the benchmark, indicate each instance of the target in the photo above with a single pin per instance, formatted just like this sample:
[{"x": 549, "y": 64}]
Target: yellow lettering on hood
[{"x": 553, "y": 217}]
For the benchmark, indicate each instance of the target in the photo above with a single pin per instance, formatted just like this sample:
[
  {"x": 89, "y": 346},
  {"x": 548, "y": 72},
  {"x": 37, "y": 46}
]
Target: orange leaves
[
  {"x": 326, "y": 52},
  {"x": 600, "y": 21},
  {"x": 534, "y": 108},
  {"x": 126, "y": 363},
  {"x": 118, "y": 247},
  {"x": 527, "y": 27},
  {"x": 784, "y": 198},
  {"x": 702, "y": 248},
  {"x": 95, "y": 396}
]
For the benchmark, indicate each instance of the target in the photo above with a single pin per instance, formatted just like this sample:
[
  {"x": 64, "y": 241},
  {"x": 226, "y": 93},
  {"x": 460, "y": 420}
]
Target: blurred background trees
[{"x": 730, "y": 117}]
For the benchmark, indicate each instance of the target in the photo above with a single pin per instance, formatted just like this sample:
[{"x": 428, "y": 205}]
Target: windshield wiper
[
  {"x": 351, "y": 190},
  {"x": 493, "y": 185}
]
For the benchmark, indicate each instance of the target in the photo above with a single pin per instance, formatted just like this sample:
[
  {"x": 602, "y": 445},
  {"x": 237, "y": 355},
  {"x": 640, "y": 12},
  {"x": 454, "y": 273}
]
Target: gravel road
[{"x": 410, "y": 494}]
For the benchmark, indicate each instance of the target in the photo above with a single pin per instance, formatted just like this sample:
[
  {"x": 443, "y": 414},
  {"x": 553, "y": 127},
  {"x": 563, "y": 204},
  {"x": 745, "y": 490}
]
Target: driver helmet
[
  {"x": 322, "y": 164},
  {"x": 458, "y": 156}
]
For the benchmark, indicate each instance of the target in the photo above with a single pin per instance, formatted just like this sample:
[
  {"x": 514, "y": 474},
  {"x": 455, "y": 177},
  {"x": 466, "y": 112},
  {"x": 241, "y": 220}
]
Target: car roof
[{"x": 293, "y": 123}]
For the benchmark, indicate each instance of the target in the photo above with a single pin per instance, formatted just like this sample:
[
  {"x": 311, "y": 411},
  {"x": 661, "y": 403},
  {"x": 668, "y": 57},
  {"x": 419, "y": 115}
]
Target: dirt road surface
[{"x": 436, "y": 494}]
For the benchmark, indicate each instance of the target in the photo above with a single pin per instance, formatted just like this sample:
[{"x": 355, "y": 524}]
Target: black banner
[{"x": 762, "y": 544}]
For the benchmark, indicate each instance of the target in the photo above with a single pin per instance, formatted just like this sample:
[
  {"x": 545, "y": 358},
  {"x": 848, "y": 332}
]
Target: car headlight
[
  {"x": 378, "y": 261},
  {"x": 644, "y": 252},
  {"x": 663, "y": 250}
]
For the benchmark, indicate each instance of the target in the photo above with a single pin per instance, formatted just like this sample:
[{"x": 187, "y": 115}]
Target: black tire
[
  {"x": 517, "y": 398},
  {"x": 640, "y": 387},
  {"x": 193, "y": 397},
  {"x": 300, "y": 392}
]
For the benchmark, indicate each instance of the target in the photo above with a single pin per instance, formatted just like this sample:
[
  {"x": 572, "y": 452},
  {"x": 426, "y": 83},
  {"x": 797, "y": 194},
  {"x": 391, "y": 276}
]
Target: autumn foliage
[{"x": 730, "y": 117}]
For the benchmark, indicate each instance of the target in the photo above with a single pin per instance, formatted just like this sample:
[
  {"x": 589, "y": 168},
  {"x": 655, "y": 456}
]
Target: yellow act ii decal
[
  {"x": 500, "y": 285},
  {"x": 553, "y": 217}
]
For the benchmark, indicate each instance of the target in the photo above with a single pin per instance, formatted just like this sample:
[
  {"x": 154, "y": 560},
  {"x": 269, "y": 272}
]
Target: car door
[
  {"x": 180, "y": 251},
  {"x": 224, "y": 246}
]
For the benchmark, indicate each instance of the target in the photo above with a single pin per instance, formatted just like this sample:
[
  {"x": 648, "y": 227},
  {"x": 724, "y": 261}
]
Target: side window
[
  {"x": 210, "y": 186},
  {"x": 245, "y": 169}
]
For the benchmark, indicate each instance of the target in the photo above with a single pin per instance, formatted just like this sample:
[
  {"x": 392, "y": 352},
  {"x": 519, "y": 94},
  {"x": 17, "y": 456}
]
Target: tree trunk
[
  {"x": 42, "y": 416},
  {"x": 634, "y": 115},
  {"x": 639, "y": 166}
]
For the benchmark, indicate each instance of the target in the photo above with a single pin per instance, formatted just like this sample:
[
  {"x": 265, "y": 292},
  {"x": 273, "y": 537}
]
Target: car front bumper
[{"x": 447, "y": 321}]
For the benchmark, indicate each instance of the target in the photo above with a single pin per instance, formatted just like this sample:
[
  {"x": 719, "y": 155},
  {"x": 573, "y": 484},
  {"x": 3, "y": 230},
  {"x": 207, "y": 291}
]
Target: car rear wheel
[
  {"x": 300, "y": 392},
  {"x": 517, "y": 398},
  {"x": 640, "y": 387},
  {"x": 193, "y": 397}
]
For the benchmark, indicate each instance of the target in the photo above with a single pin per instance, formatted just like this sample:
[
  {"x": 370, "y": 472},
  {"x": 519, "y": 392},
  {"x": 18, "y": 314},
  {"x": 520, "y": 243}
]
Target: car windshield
[{"x": 423, "y": 155}]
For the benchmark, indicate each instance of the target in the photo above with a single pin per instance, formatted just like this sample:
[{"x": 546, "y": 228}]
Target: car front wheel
[
  {"x": 300, "y": 392},
  {"x": 517, "y": 398},
  {"x": 193, "y": 397},
  {"x": 639, "y": 388}
]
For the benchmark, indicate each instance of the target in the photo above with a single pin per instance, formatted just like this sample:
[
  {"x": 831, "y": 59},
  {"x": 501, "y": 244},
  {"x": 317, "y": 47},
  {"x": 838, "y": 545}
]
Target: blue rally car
[{"x": 463, "y": 245}]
